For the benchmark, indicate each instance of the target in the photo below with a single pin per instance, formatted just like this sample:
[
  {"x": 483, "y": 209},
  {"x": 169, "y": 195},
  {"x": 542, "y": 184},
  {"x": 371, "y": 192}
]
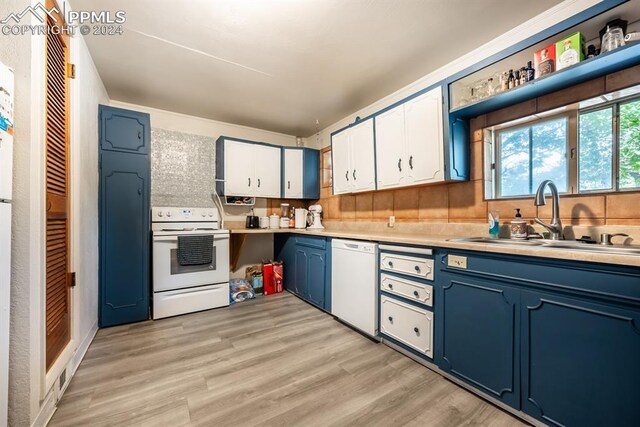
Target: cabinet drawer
[
  {"x": 413, "y": 266},
  {"x": 418, "y": 292},
  {"x": 410, "y": 325}
]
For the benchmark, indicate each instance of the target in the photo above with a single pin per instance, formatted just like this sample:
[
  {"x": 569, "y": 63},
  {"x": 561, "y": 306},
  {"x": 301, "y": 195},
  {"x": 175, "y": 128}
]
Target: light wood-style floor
[{"x": 272, "y": 361}]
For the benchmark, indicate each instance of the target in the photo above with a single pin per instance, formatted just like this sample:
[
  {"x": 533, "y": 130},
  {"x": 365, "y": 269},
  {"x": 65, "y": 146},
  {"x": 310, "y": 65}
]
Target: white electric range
[{"x": 180, "y": 289}]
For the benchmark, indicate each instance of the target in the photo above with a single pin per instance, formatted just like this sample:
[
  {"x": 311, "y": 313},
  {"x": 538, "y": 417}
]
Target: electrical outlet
[{"x": 392, "y": 220}]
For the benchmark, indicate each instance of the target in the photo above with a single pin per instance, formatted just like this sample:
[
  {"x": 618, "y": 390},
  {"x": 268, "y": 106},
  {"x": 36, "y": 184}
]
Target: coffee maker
[{"x": 315, "y": 211}]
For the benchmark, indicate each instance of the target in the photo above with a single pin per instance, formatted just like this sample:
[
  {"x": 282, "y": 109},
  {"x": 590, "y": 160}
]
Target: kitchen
[{"x": 327, "y": 223}]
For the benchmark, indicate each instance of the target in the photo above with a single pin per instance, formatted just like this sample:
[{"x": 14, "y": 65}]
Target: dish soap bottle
[
  {"x": 494, "y": 224},
  {"x": 518, "y": 226}
]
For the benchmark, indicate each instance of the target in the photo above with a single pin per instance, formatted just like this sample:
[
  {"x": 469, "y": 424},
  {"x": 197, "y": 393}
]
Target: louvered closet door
[{"x": 58, "y": 310}]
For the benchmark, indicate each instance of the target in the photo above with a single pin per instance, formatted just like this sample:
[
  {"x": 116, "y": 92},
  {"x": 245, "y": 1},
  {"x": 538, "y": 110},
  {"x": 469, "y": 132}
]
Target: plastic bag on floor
[{"x": 240, "y": 290}]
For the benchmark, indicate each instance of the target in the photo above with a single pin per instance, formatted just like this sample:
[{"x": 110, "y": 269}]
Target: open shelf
[{"x": 606, "y": 63}]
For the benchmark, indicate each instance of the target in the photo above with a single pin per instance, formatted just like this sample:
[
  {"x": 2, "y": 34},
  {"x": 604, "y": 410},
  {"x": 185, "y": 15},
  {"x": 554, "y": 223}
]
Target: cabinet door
[
  {"x": 124, "y": 238},
  {"x": 391, "y": 164},
  {"x": 316, "y": 276},
  {"x": 238, "y": 169},
  {"x": 479, "y": 331},
  {"x": 423, "y": 135},
  {"x": 285, "y": 251},
  {"x": 301, "y": 263},
  {"x": 363, "y": 163},
  {"x": 580, "y": 362},
  {"x": 293, "y": 173},
  {"x": 340, "y": 161},
  {"x": 124, "y": 130},
  {"x": 268, "y": 177}
]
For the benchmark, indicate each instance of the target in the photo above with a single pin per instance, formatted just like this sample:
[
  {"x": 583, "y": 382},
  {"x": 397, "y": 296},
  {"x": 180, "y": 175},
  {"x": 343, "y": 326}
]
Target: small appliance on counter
[
  {"x": 301, "y": 217},
  {"x": 274, "y": 221},
  {"x": 252, "y": 221},
  {"x": 316, "y": 222},
  {"x": 264, "y": 222}
]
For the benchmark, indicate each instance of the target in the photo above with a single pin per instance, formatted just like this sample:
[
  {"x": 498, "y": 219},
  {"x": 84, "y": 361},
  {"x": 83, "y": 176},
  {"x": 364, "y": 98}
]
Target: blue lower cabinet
[
  {"x": 307, "y": 267},
  {"x": 478, "y": 335},
  {"x": 581, "y": 362},
  {"x": 316, "y": 276},
  {"x": 300, "y": 277}
]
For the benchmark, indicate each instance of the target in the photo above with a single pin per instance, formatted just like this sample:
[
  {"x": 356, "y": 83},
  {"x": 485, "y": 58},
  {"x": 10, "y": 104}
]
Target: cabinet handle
[
  {"x": 346, "y": 175},
  {"x": 400, "y": 165},
  {"x": 258, "y": 182},
  {"x": 140, "y": 191},
  {"x": 417, "y": 269},
  {"x": 390, "y": 286},
  {"x": 390, "y": 264},
  {"x": 354, "y": 175},
  {"x": 417, "y": 331},
  {"x": 288, "y": 185},
  {"x": 249, "y": 185},
  {"x": 411, "y": 162},
  {"x": 139, "y": 134},
  {"x": 390, "y": 319},
  {"x": 416, "y": 294}
]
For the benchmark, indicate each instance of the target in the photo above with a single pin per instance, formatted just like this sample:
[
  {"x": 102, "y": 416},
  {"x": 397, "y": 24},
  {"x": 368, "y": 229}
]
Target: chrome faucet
[{"x": 555, "y": 228}]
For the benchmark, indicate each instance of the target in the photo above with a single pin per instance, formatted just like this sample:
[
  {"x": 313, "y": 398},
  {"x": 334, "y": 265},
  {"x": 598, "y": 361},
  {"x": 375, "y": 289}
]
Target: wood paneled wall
[{"x": 463, "y": 202}]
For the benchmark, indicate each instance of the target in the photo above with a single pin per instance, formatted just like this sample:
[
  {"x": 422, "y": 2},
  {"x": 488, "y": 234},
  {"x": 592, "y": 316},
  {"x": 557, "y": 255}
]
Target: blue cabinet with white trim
[{"x": 557, "y": 340}]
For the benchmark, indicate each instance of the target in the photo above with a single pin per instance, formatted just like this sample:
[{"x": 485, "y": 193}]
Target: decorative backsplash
[{"x": 182, "y": 169}]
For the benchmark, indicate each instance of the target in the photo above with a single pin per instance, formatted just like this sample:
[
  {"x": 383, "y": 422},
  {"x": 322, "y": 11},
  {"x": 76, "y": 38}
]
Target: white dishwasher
[{"x": 354, "y": 284}]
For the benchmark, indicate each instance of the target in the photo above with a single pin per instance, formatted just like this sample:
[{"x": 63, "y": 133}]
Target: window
[
  {"x": 531, "y": 154},
  {"x": 593, "y": 146}
]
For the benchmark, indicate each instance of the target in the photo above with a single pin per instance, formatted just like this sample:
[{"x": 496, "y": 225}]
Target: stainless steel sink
[
  {"x": 498, "y": 241},
  {"x": 556, "y": 244}
]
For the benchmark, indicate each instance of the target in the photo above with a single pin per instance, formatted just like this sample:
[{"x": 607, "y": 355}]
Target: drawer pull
[
  {"x": 390, "y": 286},
  {"x": 390, "y": 264},
  {"x": 417, "y": 331},
  {"x": 417, "y": 269},
  {"x": 416, "y": 294},
  {"x": 390, "y": 319}
]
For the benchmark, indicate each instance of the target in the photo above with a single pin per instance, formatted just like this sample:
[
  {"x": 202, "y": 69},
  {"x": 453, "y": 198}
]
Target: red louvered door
[{"x": 58, "y": 301}]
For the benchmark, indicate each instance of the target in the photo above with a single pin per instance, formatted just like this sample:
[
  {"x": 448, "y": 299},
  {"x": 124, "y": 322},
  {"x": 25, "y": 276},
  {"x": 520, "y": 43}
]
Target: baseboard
[
  {"x": 47, "y": 409},
  {"x": 49, "y": 404}
]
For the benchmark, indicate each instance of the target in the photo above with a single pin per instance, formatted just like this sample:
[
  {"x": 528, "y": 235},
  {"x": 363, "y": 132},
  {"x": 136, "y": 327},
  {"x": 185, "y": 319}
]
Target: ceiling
[{"x": 281, "y": 64}]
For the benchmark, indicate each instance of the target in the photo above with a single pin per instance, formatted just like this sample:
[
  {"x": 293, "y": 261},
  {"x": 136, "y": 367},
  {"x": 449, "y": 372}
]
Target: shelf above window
[{"x": 606, "y": 63}]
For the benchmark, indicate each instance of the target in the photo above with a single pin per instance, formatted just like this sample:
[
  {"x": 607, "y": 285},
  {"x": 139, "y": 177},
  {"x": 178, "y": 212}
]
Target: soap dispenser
[{"x": 518, "y": 226}]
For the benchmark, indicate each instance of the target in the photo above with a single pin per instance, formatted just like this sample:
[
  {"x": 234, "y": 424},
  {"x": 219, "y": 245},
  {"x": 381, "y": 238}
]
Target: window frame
[
  {"x": 492, "y": 140},
  {"x": 496, "y": 143}
]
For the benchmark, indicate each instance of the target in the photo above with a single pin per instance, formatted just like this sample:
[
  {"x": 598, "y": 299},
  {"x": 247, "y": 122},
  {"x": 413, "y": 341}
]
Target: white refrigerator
[{"x": 6, "y": 170}]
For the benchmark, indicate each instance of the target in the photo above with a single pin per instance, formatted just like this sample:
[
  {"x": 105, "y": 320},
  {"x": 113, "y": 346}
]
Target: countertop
[{"x": 439, "y": 241}]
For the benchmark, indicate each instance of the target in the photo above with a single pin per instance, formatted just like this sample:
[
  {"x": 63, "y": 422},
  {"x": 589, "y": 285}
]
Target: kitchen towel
[{"x": 195, "y": 250}]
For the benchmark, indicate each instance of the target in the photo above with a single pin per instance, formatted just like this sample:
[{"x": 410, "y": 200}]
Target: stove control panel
[{"x": 174, "y": 214}]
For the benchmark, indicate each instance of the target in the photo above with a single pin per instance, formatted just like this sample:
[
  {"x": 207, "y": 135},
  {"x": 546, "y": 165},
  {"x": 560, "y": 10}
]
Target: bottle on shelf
[
  {"x": 511, "y": 80},
  {"x": 504, "y": 81},
  {"x": 516, "y": 75},
  {"x": 523, "y": 75},
  {"x": 531, "y": 72}
]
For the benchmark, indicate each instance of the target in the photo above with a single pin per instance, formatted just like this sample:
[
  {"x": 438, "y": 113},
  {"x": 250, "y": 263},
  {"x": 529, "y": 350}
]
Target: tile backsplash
[{"x": 182, "y": 169}]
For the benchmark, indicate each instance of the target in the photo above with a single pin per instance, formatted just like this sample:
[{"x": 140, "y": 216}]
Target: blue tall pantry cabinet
[{"x": 124, "y": 216}]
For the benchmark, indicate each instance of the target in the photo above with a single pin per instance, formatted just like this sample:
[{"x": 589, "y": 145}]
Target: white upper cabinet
[
  {"x": 363, "y": 158},
  {"x": 390, "y": 148},
  {"x": 267, "y": 170},
  {"x": 293, "y": 173},
  {"x": 423, "y": 137},
  {"x": 409, "y": 142},
  {"x": 238, "y": 169},
  {"x": 249, "y": 169},
  {"x": 340, "y": 160},
  {"x": 353, "y": 159}
]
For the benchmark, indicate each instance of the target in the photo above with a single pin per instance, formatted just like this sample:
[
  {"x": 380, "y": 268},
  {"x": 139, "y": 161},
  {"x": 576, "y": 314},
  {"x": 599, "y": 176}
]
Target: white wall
[
  {"x": 87, "y": 92},
  {"x": 539, "y": 23}
]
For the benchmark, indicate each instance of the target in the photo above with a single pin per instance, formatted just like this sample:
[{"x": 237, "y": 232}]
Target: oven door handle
[{"x": 216, "y": 237}]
